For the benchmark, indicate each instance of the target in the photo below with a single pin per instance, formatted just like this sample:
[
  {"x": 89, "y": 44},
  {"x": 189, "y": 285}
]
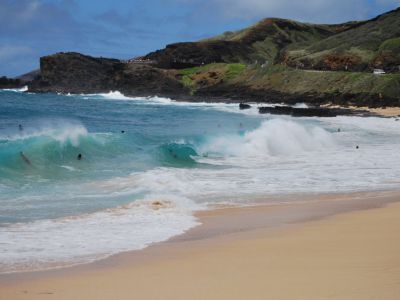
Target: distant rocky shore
[{"x": 261, "y": 63}]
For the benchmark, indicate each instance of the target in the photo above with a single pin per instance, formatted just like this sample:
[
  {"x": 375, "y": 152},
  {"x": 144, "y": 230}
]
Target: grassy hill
[
  {"x": 275, "y": 60},
  {"x": 294, "y": 61},
  {"x": 352, "y": 46},
  {"x": 373, "y": 44}
]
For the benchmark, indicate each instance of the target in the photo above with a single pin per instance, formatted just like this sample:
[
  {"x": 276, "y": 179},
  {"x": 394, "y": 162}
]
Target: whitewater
[{"x": 148, "y": 163}]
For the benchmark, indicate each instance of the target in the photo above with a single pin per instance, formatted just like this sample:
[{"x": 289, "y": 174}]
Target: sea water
[{"x": 149, "y": 163}]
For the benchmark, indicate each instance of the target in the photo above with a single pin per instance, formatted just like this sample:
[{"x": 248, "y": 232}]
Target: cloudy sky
[{"x": 127, "y": 28}]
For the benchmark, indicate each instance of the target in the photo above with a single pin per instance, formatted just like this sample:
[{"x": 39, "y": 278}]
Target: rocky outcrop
[
  {"x": 305, "y": 112},
  {"x": 10, "y": 83},
  {"x": 243, "y": 106},
  {"x": 77, "y": 73}
]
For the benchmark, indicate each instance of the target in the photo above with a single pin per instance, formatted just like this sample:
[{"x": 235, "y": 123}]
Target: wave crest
[{"x": 274, "y": 137}]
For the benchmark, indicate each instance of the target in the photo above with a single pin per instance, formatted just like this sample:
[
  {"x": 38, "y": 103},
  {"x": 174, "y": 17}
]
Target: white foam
[
  {"x": 53, "y": 243},
  {"x": 20, "y": 90},
  {"x": 281, "y": 157},
  {"x": 274, "y": 137},
  {"x": 114, "y": 95},
  {"x": 69, "y": 168},
  {"x": 60, "y": 130},
  {"x": 300, "y": 105},
  {"x": 156, "y": 100}
]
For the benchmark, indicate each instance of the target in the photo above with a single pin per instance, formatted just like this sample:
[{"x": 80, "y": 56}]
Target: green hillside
[{"x": 374, "y": 44}]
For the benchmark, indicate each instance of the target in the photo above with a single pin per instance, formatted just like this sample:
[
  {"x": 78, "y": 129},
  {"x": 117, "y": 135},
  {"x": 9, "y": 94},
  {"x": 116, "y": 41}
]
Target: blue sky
[{"x": 127, "y": 28}]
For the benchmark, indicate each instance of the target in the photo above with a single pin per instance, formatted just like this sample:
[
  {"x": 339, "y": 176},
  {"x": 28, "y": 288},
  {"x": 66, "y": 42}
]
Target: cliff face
[
  {"x": 275, "y": 60},
  {"x": 77, "y": 73}
]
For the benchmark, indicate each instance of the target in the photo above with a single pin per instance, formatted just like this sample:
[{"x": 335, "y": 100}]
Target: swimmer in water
[
  {"x": 79, "y": 157},
  {"x": 20, "y": 127},
  {"x": 24, "y": 158}
]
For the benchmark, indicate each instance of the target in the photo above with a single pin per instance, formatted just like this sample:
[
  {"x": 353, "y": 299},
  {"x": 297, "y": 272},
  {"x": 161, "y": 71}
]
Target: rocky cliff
[
  {"x": 275, "y": 60},
  {"x": 77, "y": 73}
]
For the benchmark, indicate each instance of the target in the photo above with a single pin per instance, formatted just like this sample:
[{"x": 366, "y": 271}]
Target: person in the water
[
  {"x": 20, "y": 127},
  {"x": 79, "y": 157},
  {"x": 25, "y": 158}
]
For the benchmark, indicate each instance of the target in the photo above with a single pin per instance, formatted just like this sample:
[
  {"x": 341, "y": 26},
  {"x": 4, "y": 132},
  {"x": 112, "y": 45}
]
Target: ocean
[{"x": 147, "y": 164}]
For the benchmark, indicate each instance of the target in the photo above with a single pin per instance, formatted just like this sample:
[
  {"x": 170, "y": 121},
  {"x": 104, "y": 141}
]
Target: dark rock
[
  {"x": 77, "y": 73},
  {"x": 276, "y": 110},
  {"x": 304, "y": 112},
  {"x": 9, "y": 83},
  {"x": 314, "y": 112},
  {"x": 244, "y": 106}
]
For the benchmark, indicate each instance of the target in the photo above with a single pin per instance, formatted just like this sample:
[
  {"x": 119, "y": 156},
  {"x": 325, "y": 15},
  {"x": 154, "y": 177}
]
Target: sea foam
[{"x": 80, "y": 239}]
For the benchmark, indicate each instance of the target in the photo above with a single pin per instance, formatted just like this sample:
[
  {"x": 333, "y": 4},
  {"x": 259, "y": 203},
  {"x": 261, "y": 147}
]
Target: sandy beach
[
  {"x": 317, "y": 250},
  {"x": 379, "y": 111},
  {"x": 384, "y": 112}
]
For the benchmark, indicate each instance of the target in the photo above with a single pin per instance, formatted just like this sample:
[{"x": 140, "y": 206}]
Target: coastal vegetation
[{"x": 275, "y": 60}]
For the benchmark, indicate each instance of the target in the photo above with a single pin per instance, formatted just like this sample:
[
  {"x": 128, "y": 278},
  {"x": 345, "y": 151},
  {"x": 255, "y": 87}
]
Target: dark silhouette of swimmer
[
  {"x": 357, "y": 147},
  {"x": 122, "y": 131},
  {"x": 338, "y": 130},
  {"x": 24, "y": 158},
  {"x": 20, "y": 127},
  {"x": 79, "y": 157}
]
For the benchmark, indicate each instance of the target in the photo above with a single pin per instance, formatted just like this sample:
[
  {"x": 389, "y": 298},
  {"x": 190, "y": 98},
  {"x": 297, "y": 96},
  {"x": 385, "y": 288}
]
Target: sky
[{"x": 124, "y": 29}]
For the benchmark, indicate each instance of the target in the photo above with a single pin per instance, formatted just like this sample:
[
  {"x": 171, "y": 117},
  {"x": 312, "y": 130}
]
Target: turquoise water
[{"x": 148, "y": 163}]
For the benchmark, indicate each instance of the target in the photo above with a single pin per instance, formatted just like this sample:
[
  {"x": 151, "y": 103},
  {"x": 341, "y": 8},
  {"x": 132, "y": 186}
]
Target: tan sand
[
  {"x": 384, "y": 112},
  {"x": 355, "y": 255}
]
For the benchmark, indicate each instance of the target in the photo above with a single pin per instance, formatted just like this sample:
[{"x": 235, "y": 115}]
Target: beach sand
[
  {"x": 383, "y": 112},
  {"x": 240, "y": 254}
]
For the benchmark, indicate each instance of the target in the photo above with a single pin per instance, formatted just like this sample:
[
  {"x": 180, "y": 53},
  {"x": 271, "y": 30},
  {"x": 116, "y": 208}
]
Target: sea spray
[{"x": 274, "y": 137}]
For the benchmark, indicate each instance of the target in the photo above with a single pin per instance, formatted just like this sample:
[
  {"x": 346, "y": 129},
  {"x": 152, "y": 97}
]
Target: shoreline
[
  {"x": 383, "y": 111},
  {"x": 219, "y": 226},
  {"x": 220, "y": 220}
]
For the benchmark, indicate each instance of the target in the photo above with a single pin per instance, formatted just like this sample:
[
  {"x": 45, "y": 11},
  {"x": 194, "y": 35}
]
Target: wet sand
[{"x": 331, "y": 247}]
